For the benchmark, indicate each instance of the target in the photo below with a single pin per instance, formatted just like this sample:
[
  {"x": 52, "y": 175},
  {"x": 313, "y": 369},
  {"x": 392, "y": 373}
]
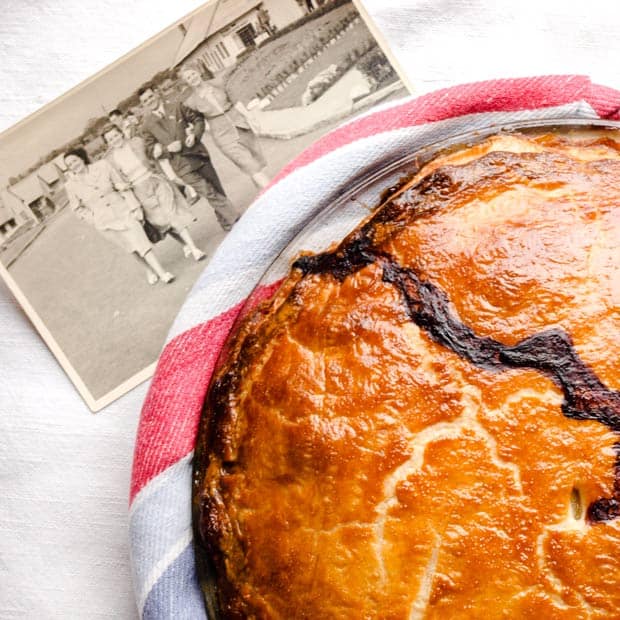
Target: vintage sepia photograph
[{"x": 114, "y": 197}]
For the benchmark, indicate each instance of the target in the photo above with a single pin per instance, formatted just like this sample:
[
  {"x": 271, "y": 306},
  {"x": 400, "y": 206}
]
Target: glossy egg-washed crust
[{"x": 424, "y": 421}]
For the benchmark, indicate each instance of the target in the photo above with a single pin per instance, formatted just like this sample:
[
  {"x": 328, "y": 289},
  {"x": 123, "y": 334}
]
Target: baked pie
[{"x": 423, "y": 422}]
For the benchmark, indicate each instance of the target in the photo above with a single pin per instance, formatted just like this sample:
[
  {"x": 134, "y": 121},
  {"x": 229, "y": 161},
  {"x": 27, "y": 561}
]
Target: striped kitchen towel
[{"x": 160, "y": 497}]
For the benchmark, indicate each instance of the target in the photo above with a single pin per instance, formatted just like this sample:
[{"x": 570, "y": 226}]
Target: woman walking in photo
[
  {"x": 164, "y": 206},
  {"x": 93, "y": 196},
  {"x": 229, "y": 128}
]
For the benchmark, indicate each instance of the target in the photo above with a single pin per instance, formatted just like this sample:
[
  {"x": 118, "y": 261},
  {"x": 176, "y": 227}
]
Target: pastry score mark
[
  {"x": 558, "y": 588},
  {"x": 420, "y": 604},
  {"x": 466, "y": 423},
  {"x": 550, "y": 352},
  {"x": 574, "y": 521}
]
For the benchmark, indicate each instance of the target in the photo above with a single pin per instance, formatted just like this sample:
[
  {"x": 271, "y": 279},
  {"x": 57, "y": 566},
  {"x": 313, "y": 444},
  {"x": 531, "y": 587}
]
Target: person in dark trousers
[{"x": 172, "y": 132}]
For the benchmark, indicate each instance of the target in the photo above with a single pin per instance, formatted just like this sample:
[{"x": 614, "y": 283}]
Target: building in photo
[
  {"x": 10, "y": 219},
  {"x": 31, "y": 197},
  {"x": 236, "y": 26},
  {"x": 51, "y": 180}
]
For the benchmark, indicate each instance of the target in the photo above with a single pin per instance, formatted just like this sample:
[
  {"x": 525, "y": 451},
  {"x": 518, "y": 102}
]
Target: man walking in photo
[{"x": 173, "y": 133}]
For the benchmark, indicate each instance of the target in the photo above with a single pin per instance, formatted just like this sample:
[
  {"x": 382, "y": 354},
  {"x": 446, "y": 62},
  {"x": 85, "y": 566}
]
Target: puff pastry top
[{"x": 423, "y": 422}]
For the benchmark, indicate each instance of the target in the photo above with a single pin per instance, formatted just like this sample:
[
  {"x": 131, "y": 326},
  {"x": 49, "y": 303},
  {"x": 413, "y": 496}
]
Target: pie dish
[{"x": 423, "y": 421}]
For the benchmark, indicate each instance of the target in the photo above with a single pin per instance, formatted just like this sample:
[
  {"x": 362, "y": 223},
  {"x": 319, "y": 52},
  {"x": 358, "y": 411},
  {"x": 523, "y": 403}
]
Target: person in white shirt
[
  {"x": 163, "y": 205},
  {"x": 230, "y": 128}
]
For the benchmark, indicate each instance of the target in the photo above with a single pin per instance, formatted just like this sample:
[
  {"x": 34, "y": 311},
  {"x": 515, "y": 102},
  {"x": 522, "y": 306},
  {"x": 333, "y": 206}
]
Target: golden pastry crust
[{"x": 423, "y": 422}]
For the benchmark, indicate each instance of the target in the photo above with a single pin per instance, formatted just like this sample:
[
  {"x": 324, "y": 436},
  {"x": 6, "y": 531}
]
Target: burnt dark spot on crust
[
  {"x": 341, "y": 263},
  {"x": 388, "y": 193},
  {"x": 585, "y": 396},
  {"x": 608, "y": 508},
  {"x": 429, "y": 308}
]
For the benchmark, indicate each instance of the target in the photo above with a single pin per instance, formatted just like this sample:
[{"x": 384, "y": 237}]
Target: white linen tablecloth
[{"x": 64, "y": 473}]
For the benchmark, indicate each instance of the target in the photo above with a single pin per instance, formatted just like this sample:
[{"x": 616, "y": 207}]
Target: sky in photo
[{"x": 64, "y": 119}]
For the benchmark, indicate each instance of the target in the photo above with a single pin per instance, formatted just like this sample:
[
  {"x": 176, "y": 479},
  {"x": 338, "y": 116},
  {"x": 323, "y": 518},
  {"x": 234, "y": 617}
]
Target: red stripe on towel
[
  {"x": 174, "y": 401},
  {"x": 509, "y": 95}
]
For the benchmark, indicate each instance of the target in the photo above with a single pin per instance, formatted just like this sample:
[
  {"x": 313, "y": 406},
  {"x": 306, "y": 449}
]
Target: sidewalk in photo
[
  {"x": 15, "y": 247},
  {"x": 334, "y": 104}
]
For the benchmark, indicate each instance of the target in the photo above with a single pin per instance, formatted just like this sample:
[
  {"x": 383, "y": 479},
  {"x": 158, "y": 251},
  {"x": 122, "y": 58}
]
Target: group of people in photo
[{"x": 155, "y": 168}]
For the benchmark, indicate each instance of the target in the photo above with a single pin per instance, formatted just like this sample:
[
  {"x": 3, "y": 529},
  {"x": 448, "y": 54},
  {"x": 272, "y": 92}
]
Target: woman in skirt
[
  {"x": 164, "y": 206},
  {"x": 94, "y": 197}
]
